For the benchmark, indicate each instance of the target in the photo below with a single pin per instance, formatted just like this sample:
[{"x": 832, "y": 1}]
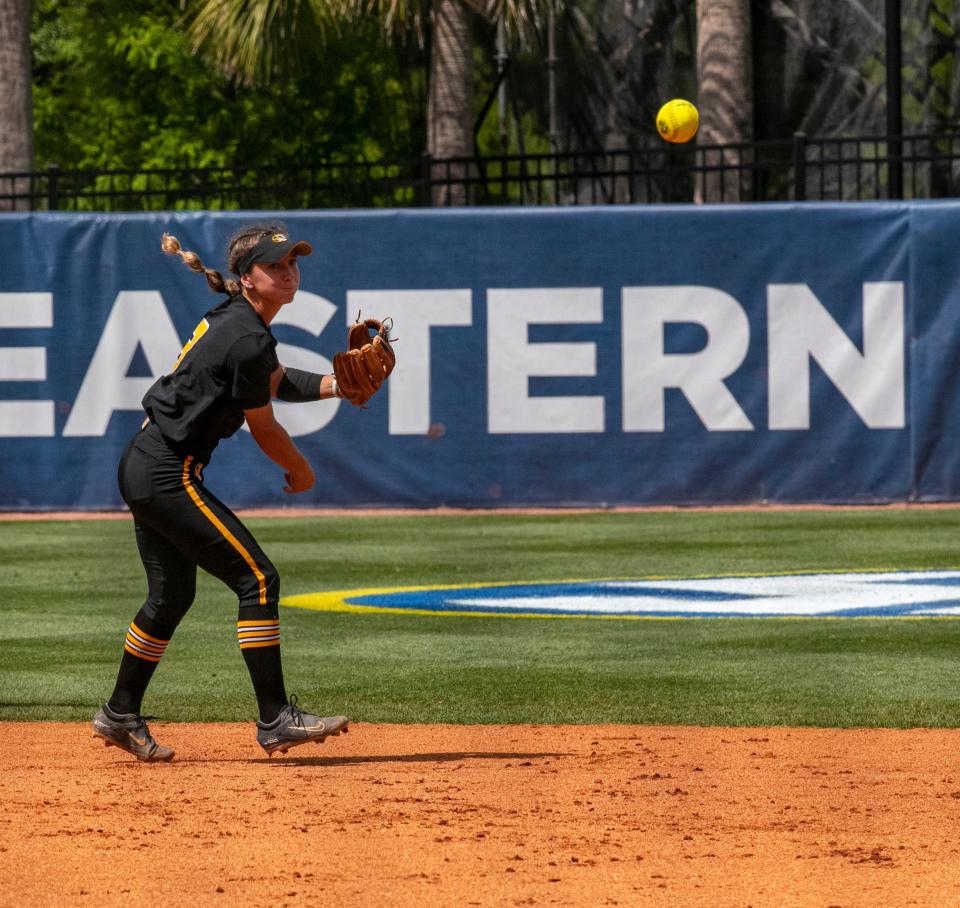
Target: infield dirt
[{"x": 430, "y": 816}]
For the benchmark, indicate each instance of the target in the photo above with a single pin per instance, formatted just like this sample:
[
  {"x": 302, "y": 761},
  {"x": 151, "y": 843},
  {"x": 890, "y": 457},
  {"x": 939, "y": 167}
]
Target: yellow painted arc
[{"x": 336, "y": 600}]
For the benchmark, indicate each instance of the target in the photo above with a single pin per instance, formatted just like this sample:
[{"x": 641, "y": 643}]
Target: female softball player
[{"x": 227, "y": 373}]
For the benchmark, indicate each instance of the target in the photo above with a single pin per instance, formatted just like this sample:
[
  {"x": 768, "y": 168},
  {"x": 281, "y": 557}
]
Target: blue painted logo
[{"x": 841, "y": 595}]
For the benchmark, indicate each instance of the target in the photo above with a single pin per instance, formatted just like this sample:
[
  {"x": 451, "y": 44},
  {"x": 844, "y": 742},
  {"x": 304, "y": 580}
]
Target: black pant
[{"x": 181, "y": 526}]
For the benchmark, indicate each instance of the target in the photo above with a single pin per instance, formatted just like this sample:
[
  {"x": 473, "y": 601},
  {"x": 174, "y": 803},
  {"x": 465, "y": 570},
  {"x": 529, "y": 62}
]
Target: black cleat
[
  {"x": 129, "y": 732},
  {"x": 294, "y": 727}
]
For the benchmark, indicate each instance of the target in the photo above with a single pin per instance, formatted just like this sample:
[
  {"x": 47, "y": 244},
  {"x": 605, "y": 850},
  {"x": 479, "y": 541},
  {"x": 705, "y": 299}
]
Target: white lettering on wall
[
  {"x": 25, "y": 418},
  {"x": 310, "y": 312},
  {"x": 415, "y": 313},
  {"x": 800, "y": 328},
  {"x": 648, "y": 371},
  {"x": 137, "y": 317},
  {"x": 512, "y": 360}
]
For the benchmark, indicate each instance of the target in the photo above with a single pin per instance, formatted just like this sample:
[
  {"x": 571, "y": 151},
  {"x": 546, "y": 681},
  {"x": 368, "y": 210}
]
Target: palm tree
[
  {"x": 250, "y": 39},
  {"x": 450, "y": 96},
  {"x": 451, "y": 77},
  {"x": 16, "y": 115},
  {"x": 725, "y": 95}
]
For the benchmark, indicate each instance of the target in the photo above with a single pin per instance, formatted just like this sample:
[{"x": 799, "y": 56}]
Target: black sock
[
  {"x": 143, "y": 647},
  {"x": 266, "y": 673}
]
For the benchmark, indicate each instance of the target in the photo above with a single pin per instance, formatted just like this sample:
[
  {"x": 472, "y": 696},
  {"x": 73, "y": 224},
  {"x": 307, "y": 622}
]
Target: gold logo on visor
[{"x": 279, "y": 238}]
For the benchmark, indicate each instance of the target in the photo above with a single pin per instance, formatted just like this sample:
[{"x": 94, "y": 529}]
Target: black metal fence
[{"x": 797, "y": 169}]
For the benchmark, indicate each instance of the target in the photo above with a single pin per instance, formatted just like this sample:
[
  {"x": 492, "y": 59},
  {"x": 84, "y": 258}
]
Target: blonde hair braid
[{"x": 215, "y": 280}]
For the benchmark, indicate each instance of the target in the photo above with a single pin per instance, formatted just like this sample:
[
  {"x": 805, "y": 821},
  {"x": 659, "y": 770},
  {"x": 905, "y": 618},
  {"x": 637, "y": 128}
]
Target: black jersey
[{"x": 222, "y": 370}]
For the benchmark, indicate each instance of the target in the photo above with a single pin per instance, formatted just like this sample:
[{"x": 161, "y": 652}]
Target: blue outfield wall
[{"x": 604, "y": 356}]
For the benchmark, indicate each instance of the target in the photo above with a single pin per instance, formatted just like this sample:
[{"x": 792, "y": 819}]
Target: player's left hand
[{"x": 368, "y": 361}]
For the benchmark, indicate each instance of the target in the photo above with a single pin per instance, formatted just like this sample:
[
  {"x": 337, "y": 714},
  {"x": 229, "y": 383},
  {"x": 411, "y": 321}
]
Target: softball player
[{"x": 227, "y": 373}]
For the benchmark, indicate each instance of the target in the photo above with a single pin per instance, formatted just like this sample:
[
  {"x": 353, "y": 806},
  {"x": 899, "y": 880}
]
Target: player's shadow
[
  {"x": 303, "y": 760},
  {"x": 292, "y": 758}
]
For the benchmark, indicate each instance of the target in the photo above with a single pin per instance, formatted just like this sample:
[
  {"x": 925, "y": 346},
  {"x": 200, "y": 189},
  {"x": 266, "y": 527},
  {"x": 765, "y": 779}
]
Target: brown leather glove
[{"x": 367, "y": 362}]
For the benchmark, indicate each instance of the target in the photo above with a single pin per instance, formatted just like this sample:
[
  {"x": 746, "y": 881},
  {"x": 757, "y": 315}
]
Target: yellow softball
[{"x": 677, "y": 121}]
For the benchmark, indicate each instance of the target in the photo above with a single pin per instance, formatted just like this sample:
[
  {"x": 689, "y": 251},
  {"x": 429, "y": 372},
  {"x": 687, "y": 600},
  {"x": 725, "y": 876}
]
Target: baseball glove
[{"x": 367, "y": 362}]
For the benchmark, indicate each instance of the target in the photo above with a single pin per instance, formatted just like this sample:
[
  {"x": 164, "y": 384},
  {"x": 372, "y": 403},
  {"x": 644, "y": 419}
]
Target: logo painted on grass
[{"x": 848, "y": 595}]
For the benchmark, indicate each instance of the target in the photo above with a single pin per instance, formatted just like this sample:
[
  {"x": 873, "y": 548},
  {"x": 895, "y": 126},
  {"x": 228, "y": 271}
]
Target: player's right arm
[{"x": 277, "y": 444}]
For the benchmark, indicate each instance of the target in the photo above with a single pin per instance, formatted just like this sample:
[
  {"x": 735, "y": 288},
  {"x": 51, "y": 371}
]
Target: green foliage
[
  {"x": 70, "y": 588},
  {"x": 116, "y": 85}
]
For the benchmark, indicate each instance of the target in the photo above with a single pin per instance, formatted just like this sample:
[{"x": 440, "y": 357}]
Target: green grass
[{"x": 69, "y": 588}]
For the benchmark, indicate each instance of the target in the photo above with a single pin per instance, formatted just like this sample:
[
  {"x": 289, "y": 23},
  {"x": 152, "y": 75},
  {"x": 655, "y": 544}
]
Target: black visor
[{"x": 272, "y": 248}]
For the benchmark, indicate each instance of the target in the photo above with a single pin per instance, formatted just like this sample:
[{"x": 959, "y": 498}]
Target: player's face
[{"x": 276, "y": 282}]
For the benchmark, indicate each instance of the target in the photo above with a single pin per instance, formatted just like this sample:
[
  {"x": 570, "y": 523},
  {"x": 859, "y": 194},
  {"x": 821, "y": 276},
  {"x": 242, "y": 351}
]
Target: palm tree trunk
[
  {"x": 16, "y": 109},
  {"x": 450, "y": 100},
  {"x": 725, "y": 97}
]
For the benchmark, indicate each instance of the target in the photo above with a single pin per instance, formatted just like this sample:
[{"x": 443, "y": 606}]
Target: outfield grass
[{"x": 69, "y": 588}]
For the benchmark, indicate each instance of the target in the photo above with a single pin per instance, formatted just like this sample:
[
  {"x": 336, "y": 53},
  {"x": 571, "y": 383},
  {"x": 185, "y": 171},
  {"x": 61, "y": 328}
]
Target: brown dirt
[{"x": 432, "y": 816}]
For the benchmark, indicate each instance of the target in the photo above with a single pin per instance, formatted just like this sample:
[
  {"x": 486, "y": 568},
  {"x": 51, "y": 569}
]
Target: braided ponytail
[{"x": 215, "y": 280}]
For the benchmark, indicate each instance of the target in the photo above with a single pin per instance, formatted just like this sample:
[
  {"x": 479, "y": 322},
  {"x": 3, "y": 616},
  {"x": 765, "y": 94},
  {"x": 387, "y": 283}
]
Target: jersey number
[{"x": 198, "y": 332}]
